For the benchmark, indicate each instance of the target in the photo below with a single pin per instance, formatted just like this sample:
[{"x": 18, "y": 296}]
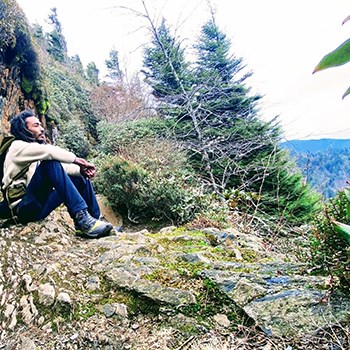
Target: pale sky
[{"x": 281, "y": 42}]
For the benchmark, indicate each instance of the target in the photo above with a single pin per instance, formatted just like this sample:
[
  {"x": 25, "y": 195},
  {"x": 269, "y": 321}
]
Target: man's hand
[{"x": 87, "y": 169}]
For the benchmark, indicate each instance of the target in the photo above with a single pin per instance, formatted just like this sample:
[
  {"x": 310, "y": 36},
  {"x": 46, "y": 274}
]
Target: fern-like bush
[
  {"x": 142, "y": 196},
  {"x": 330, "y": 251}
]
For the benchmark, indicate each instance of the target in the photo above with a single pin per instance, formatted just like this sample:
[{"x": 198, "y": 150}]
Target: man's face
[{"x": 34, "y": 126}]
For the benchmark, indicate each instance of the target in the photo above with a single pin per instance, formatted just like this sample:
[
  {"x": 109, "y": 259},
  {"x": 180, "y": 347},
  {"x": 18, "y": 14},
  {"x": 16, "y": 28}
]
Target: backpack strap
[
  {"x": 21, "y": 173},
  {"x": 4, "y": 146},
  {"x": 12, "y": 195},
  {"x": 6, "y": 143}
]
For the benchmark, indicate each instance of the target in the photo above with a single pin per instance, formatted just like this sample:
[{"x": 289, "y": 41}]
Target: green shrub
[
  {"x": 112, "y": 136},
  {"x": 143, "y": 197},
  {"x": 69, "y": 97},
  {"x": 74, "y": 139},
  {"x": 330, "y": 251}
]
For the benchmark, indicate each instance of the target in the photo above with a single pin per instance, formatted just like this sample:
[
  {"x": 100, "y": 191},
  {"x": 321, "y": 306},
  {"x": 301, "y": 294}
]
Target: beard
[{"x": 41, "y": 139}]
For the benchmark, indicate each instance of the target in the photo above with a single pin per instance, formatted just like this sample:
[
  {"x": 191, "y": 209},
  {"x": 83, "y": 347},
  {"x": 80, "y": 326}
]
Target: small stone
[
  {"x": 47, "y": 327},
  {"x": 238, "y": 254},
  {"x": 39, "y": 240},
  {"x": 194, "y": 258},
  {"x": 46, "y": 294},
  {"x": 9, "y": 310},
  {"x": 135, "y": 326},
  {"x": 64, "y": 303},
  {"x": 27, "y": 344},
  {"x": 74, "y": 336},
  {"x": 121, "y": 310},
  {"x": 222, "y": 320},
  {"x": 29, "y": 311},
  {"x": 64, "y": 298},
  {"x": 144, "y": 231},
  {"x": 27, "y": 279},
  {"x": 166, "y": 230},
  {"x": 13, "y": 322},
  {"x": 108, "y": 347},
  {"x": 160, "y": 249},
  {"x": 108, "y": 310},
  {"x": 41, "y": 320},
  {"x": 93, "y": 283},
  {"x": 102, "y": 339}
]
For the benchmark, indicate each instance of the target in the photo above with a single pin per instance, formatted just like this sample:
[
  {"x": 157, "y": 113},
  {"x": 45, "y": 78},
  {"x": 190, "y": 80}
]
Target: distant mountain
[
  {"x": 324, "y": 163},
  {"x": 313, "y": 146}
]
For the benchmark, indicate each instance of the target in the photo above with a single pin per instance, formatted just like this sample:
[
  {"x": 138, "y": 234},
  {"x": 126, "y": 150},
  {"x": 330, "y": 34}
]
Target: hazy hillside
[
  {"x": 313, "y": 146},
  {"x": 324, "y": 163}
]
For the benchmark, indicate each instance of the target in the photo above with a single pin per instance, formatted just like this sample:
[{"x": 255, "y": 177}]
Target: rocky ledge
[{"x": 177, "y": 288}]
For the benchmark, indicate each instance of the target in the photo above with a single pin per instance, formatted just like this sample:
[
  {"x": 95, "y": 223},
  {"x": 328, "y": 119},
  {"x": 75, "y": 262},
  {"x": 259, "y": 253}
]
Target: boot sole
[{"x": 101, "y": 234}]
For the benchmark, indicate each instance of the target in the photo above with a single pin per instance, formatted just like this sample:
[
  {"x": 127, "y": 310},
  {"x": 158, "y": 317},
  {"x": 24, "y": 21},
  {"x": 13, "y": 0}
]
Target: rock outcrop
[{"x": 176, "y": 288}]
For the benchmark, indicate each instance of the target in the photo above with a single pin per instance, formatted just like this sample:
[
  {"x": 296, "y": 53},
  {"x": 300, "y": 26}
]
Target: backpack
[
  {"x": 4, "y": 146},
  {"x": 10, "y": 195}
]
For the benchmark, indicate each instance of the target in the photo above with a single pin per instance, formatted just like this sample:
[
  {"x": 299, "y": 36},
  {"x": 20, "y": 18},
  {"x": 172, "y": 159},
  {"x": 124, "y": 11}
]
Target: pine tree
[
  {"x": 220, "y": 79},
  {"x": 76, "y": 65},
  {"x": 247, "y": 156},
  {"x": 39, "y": 35},
  {"x": 213, "y": 48},
  {"x": 57, "y": 46},
  {"x": 112, "y": 65},
  {"x": 225, "y": 111},
  {"x": 92, "y": 73},
  {"x": 217, "y": 122},
  {"x": 165, "y": 67}
]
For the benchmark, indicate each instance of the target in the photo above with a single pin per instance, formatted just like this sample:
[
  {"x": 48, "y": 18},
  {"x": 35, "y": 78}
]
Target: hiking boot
[
  {"x": 87, "y": 226},
  {"x": 118, "y": 228}
]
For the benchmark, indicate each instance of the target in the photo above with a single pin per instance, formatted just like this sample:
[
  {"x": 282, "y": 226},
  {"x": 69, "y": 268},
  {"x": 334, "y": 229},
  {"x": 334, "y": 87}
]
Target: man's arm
[
  {"x": 87, "y": 169},
  {"x": 22, "y": 153}
]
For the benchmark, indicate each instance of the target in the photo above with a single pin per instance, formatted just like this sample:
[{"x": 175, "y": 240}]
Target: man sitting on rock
[{"x": 50, "y": 176}]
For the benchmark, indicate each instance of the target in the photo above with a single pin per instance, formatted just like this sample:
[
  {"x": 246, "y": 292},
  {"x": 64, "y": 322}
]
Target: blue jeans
[{"x": 51, "y": 186}]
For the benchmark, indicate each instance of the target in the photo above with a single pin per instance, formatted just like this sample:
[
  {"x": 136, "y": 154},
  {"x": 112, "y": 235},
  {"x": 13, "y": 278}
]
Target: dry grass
[{"x": 332, "y": 337}]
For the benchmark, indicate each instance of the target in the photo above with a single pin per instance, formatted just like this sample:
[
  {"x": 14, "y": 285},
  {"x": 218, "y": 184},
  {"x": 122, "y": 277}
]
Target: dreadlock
[{"x": 18, "y": 126}]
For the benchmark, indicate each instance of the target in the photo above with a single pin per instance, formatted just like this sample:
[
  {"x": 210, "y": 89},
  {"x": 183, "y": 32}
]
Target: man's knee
[{"x": 50, "y": 164}]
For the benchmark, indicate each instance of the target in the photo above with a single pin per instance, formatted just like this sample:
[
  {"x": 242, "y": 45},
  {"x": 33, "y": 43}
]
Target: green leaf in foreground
[
  {"x": 338, "y": 57},
  {"x": 347, "y": 193},
  {"x": 343, "y": 230},
  {"x": 347, "y": 196},
  {"x": 346, "y": 20},
  {"x": 348, "y": 210},
  {"x": 346, "y": 93}
]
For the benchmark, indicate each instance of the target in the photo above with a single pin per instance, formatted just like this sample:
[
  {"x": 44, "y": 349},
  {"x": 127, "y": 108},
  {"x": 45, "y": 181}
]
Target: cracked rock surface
[{"x": 164, "y": 290}]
